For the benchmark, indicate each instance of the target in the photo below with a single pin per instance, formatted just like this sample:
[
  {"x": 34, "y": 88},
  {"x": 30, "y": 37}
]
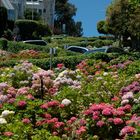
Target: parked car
[
  {"x": 106, "y": 49},
  {"x": 77, "y": 49},
  {"x": 36, "y": 42}
]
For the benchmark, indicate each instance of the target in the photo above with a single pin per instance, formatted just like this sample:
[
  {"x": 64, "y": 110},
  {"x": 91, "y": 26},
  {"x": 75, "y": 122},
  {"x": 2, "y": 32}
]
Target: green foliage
[
  {"x": 3, "y": 19},
  {"x": 18, "y": 46},
  {"x": 64, "y": 17},
  {"x": 100, "y": 43},
  {"x": 29, "y": 29},
  {"x": 101, "y": 27},
  {"x": 8, "y": 34},
  {"x": 123, "y": 20},
  {"x": 4, "y": 43}
]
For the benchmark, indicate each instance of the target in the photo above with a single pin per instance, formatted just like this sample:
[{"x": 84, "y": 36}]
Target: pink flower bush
[
  {"x": 21, "y": 104},
  {"x": 23, "y": 91},
  {"x": 127, "y": 130},
  {"x": 53, "y": 103},
  {"x": 107, "y": 112},
  {"x": 26, "y": 120},
  {"x": 81, "y": 130},
  {"x": 8, "y": 134},
  {"x": 100, "y": 123},
  {"x": 117, "y": 121},
  {"x": 60, "y": 66},
  {"x": 44, "y": 106}
]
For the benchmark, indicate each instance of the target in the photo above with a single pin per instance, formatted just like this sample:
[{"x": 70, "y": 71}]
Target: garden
[{"x": 92, "y": 97}]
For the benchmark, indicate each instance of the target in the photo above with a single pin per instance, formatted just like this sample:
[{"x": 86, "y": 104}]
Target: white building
[
  {"x": 45, "y": 8},
  {"x": 19, "y": 7},
  {"x": 10, "y": 9},
  {"x": 16, "y": 8}
]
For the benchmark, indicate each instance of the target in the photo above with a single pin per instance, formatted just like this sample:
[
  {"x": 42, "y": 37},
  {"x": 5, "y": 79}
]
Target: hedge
[
  {"x": 29, "y": 29},
  {"x": 19, "y": 46},
  {"x": 68, "y": 61}
]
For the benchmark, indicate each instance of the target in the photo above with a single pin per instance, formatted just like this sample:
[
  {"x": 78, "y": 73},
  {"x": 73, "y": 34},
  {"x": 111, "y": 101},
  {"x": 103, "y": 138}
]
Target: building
[
  {"x": 19, "y": 7},
  {"x": 45, "y": 8},
  {"x": 10, "y": 9},
  {"x": 16, "y": 9}
]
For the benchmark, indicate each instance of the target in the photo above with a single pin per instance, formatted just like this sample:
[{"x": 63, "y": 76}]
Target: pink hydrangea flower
[
  {"x": 60, "y": 66},
  {"x": 127, "y": 107},
  {"x": 82, "y": 122},
  {"x": 26, "y": 120},
  {"x": 127, "y": 130},
  {"x": 58, "y": 124},
  {"x": 100, "y": 123},
  {"x": 53, "y": 103},
  {"x": 22, "y": 104},
  {"x": 115, "y": 98},
  {"x": 118, "y": 121},
  {"x": 73, "y": 119},
  {"x": 107, "y": 111},
  {"x": 30, "y": 97},
  {"x": 95, "y": 117},
  {"x": 110, "y": 120},
  {"x": 8, "y": 133},
  {"x": 55, "y": 133},
  {"x": 44, "y": 106},
  {"x": 11, "y": 101},
  {"x": 81, "y": 130},
  {"x": 47, "y": 116},
  {"x": 119, "y": 113}
]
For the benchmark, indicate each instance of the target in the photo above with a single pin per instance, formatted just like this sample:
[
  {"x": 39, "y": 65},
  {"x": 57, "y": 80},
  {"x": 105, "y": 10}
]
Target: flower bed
[{"x": 98, "y": 100}]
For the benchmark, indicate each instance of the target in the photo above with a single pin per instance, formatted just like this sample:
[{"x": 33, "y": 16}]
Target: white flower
[
  {"x": 136, "y": 101},
  {"x": 78, "y": 76},
  {"x": 6, "y": 113},
  {"x": 63, "y": 73},
  {"x": 99, "y": 78},
  {"x": 105, "y": 74},
  {"x": 128, "y": 95},
  {"x": 66, "y": 102},
  {"x": 3, "y": 121},
  {"x": 137, "y": 76},
  {"x": 124, "y": 102}
]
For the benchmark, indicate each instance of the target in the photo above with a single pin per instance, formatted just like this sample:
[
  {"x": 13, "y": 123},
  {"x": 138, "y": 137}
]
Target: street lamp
[{"x": 32, "y": 9}]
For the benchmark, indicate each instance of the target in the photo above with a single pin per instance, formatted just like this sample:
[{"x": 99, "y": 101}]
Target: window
[
  {"x": 80, "y": 50},
  {"x": 44, "y": 10},
  {"x": 40, "y": 11}
]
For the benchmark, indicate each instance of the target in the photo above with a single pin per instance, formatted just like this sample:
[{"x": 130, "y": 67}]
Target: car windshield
[
  {"x": 77, "y": 49},
  {"x": 36, "y": 42},
  {"x": 96, "y": 50}
]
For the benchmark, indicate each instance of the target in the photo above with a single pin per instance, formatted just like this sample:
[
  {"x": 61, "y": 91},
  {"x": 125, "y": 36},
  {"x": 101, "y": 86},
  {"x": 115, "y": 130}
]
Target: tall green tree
[
  {"x": 122, "y": 17},
  {"x": 3, "y": 19},
  {"x": 64, "y": 12}
]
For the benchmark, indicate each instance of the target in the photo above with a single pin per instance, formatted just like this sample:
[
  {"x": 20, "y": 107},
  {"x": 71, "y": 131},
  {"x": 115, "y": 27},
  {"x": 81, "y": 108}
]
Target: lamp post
[{"x": 32, "y": 9}]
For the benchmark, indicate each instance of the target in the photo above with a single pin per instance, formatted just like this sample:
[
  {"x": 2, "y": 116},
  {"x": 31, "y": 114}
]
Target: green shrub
[
  {"x": 100, "y": 43},
  {"x": 18, "y": 46},
  {"x": 29, "y": 29},
  {"x": 3, "y": 43}
]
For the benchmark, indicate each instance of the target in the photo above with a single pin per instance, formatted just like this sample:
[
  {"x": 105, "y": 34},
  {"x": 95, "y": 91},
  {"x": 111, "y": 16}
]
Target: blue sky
[{"x": 90, "y": 12}]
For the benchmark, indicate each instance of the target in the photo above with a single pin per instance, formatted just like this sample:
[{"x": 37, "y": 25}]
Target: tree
[
  {"x": 122, "y": 17},
  {"x": 64, "y": 12},
  {"x": 102, "y": 27},
  {"x": 3, "y": 19}
]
